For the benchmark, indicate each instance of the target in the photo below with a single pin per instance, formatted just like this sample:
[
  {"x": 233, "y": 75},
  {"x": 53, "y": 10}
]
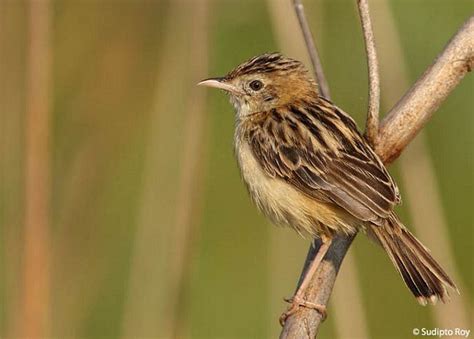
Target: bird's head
[{"x": 264, "y": 82}]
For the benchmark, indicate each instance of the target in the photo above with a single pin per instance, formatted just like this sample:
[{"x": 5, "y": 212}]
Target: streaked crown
[{"x": 266, "y": 63}]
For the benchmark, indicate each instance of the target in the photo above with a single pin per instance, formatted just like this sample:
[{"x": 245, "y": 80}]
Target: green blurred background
[{"x": 122, "y": 213}]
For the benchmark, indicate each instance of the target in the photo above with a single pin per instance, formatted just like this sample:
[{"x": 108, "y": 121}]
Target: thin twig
[
  {"x": 372, "y": 124},
  {"x": 312, "y": 50},
  {"x": 398, "y": 128}
]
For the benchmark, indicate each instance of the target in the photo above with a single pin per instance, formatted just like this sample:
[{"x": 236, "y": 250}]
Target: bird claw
[{"x": 296, "y": 303}]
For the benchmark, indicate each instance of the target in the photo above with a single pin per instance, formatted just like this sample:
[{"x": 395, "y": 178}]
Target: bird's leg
[{"x": 298, "y": 298}]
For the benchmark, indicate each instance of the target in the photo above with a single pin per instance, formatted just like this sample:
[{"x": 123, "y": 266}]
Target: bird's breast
[{"x": 283, "y": 203}]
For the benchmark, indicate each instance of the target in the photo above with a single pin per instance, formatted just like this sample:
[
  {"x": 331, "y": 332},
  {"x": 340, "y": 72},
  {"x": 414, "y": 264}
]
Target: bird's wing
[{"x": 320, "y": 152}]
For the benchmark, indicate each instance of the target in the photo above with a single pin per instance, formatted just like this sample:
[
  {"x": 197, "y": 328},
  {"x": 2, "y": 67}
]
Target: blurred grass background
[{"x": 122, "y": 213}]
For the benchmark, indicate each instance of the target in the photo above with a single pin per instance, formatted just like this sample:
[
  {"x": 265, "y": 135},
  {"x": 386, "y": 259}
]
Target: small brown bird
[{"x": 306, "y": 166}]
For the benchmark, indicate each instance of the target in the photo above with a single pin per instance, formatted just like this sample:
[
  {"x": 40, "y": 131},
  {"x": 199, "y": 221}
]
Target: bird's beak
[{"x": 219, "y": 83}]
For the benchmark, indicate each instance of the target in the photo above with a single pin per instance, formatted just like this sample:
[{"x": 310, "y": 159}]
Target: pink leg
[{"x": 298, "y": 299}]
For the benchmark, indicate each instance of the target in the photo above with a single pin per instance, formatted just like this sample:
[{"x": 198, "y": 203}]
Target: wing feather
[{"x": 329, "y": 160}]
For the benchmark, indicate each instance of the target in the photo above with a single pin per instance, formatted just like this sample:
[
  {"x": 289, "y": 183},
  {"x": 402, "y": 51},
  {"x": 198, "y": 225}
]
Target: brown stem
[
  {"x": 372, "y": 124},
  {"x": 312, "y": 50},
  {"x": 400, "y": 126}
]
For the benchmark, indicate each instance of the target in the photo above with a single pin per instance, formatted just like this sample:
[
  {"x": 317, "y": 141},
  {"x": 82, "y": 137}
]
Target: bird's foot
[{"x": 296, "y": 303}]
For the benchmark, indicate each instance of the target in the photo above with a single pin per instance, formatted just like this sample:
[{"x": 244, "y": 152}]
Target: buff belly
[{"x": 285, "y": 205}]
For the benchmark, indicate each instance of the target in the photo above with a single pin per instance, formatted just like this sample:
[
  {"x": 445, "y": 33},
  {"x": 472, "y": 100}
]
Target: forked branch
[{"x": 400, "y": 126}]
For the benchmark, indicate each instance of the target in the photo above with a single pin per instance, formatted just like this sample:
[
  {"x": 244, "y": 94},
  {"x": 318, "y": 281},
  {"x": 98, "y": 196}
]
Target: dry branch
[
  {"x": 372, "y": 125},
  {"x": 400, "y": 126},
  {"x": 415, "y": 108}
]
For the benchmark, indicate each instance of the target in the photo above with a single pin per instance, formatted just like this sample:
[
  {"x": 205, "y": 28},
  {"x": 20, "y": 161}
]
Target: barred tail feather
[{"x": 420, "y": 272}]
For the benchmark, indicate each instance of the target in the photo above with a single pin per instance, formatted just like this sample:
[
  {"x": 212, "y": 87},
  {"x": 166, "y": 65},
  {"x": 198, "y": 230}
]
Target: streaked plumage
[
  {"x": 316, "y": 148},
  {"x": 306, "y": 166}
]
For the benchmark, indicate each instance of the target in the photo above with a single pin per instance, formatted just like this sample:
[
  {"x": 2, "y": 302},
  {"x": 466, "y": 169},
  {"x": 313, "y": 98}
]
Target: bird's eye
[{"x": 256, "y": 85}]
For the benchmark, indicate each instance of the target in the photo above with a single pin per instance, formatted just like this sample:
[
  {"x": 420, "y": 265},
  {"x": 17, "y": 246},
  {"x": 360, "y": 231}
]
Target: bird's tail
[{"x": 420, "y": 272}]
